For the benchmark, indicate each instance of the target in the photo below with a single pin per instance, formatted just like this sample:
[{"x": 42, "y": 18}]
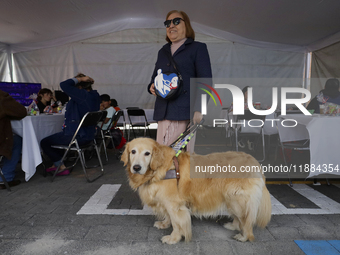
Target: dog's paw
[
  {"x": 240, "y": 238},
  {"x": 170, "y": 239},
  {"x": 161, "y": 225},
  {"x": 230, "y": 226}
]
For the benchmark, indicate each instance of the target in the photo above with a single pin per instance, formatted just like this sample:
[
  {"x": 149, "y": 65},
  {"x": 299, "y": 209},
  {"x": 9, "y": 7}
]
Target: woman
[
  {"x": 83, "y": 100},
  {"x": 330, "y": 94},
  {"x": 192, "y": 61},
  {"x": 43, "y": 100}
]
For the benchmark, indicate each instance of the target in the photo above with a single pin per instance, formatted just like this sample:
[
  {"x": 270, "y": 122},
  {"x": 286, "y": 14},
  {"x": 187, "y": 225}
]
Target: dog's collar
[{"x": 174, "y": 173}]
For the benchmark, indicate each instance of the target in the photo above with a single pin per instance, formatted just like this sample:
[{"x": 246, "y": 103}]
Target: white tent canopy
[
  {"x": 304, "y": 24},
  {"x": 117, "y": 42}
]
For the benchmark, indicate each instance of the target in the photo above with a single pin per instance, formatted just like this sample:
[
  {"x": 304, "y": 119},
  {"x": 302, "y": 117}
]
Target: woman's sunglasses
[{"x": 175, "y": 21}]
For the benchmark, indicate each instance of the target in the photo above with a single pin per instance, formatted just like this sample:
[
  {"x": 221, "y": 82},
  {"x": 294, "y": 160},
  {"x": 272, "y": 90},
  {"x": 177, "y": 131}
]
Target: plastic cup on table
[{"x": 322, "y": 109}]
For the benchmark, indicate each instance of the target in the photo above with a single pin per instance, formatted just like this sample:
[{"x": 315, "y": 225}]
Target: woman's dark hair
[
  {"x": 331, "y": 88},
  {"x": 42, "y": 92},
  {"x": 105, "y": 98},
  {"x": 189, "y": 32},
  {"x": 84, "y": 85},
  {"x": 114, "y": 102}
]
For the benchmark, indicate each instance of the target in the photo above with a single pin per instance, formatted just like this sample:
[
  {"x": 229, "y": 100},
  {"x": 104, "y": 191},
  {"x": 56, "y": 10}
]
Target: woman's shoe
[
  {"x": 10, "y": 184},
  {"x": 51, "y": 169},
  {"x": 64, "y": 172}
]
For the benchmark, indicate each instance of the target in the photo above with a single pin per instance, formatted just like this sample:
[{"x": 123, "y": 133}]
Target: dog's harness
[
  {"x": 174, "y": 173},
  {"x": 179, "y": 146}
]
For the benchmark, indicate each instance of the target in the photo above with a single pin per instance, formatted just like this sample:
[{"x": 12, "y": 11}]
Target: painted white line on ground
[
  {"x": 99, "y": 202},
  {"x": 324, "y": 202}
]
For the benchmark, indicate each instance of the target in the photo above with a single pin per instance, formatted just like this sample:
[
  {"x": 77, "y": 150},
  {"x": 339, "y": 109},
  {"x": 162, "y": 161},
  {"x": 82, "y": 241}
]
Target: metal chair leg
[
  {"x": 236, "y": 140},
  {"x": 62, "y": 160},
  {"x": 133, "y": 131},
  {"x": 263, "y": 148},
  {"x": 284, "y": 158},
  {"x": 4, "y": 180},
  {"x": 105, "y": 150}
]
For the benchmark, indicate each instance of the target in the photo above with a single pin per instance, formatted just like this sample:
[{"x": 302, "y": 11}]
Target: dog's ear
[
  {"x": 156, "y": 158},
  {"x": 125, "y": 155},
  {"x": 161, "y": 155}
]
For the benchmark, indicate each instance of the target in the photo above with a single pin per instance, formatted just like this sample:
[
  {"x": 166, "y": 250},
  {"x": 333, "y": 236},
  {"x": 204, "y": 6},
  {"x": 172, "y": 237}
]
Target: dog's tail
[{"x": 265, "y": 209}]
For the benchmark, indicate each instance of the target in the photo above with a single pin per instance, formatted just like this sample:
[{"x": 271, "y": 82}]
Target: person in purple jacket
[
  {"x": 83, "y": 100},
  {"x": 192, "y": 60}
]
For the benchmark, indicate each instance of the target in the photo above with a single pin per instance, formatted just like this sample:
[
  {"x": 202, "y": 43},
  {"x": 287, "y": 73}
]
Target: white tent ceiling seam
[{"x": 143, "y": 23}]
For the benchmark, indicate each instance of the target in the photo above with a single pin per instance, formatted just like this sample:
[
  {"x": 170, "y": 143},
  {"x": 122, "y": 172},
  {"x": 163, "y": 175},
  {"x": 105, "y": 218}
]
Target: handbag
[{"x": 168, "y": 85}]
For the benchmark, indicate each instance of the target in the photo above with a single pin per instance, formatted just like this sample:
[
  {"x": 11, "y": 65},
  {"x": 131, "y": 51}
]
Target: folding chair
[
  {"x": 299, "y": 145},
  {"x": 122, "y": 125},
  {"x": 89, "y": 119},
  {"x": 226, "y": 126},
  {"x": 136, "y": 112},
  {"x": 107, "y": 134},
  {"x": 3, "y": 177},
  {"x": 248, "y": 131},
  {"x": 302, "y": 145}
]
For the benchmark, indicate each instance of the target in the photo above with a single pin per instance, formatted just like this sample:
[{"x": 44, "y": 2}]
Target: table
[
  {"x": 323, "y": 132},
  {"x": 33, "y": 129}
]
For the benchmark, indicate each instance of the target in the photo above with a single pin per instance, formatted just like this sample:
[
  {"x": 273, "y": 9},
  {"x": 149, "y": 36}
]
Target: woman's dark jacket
[
  {"x": 192, "y": 60},
  {"x": 81, "y": 102}
]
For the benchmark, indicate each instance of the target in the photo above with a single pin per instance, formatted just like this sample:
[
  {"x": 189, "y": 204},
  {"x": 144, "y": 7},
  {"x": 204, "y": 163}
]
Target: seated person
[
  {"x": 44, "y": 99},
  {"x": 330, "y": 94},
  {"x": 114, "y": 104},
  {"x": 61, "y": 97},
  {"x": 106, "y": 105},
  {"x": 83, "y": 100},
  {"x": 10, "y": 144}
]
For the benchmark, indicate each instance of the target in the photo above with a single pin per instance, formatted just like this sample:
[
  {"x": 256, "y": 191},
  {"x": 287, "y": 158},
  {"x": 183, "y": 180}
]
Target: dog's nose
[{"x": 137, "y": 168}]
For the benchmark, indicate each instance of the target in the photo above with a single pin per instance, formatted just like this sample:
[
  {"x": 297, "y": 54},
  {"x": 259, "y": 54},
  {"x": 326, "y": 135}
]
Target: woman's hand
[
  {"x": 152, "y": 89},
  {"x": 197, "y": 117},
  {"x": 85, "y": 79}
]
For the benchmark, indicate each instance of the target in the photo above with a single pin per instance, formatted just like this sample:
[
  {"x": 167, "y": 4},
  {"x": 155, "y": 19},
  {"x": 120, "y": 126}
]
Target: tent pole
[{"x": 10, "y": 61}]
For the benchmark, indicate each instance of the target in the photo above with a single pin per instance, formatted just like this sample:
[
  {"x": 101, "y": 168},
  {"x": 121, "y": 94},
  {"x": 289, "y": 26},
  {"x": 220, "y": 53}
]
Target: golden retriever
[{"x": 245, "y": 198}]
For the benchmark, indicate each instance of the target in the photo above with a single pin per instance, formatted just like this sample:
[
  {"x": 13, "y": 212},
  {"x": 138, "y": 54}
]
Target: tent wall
[
  {"x": 325, "y": 65},
  {"x": 121, "y": 64},
  {"x": 5, "y": 63},
  {"x": 262, "y": 69}
]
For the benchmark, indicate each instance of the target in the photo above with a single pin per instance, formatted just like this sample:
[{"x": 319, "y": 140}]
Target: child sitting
[{"x": 106, "y": 105}]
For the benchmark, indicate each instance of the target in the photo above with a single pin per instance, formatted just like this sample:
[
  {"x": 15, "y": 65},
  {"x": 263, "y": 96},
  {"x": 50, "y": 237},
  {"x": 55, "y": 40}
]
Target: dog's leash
[
  {"x": 182, "y": 141},
  {"x": 179, "y": 145}
]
